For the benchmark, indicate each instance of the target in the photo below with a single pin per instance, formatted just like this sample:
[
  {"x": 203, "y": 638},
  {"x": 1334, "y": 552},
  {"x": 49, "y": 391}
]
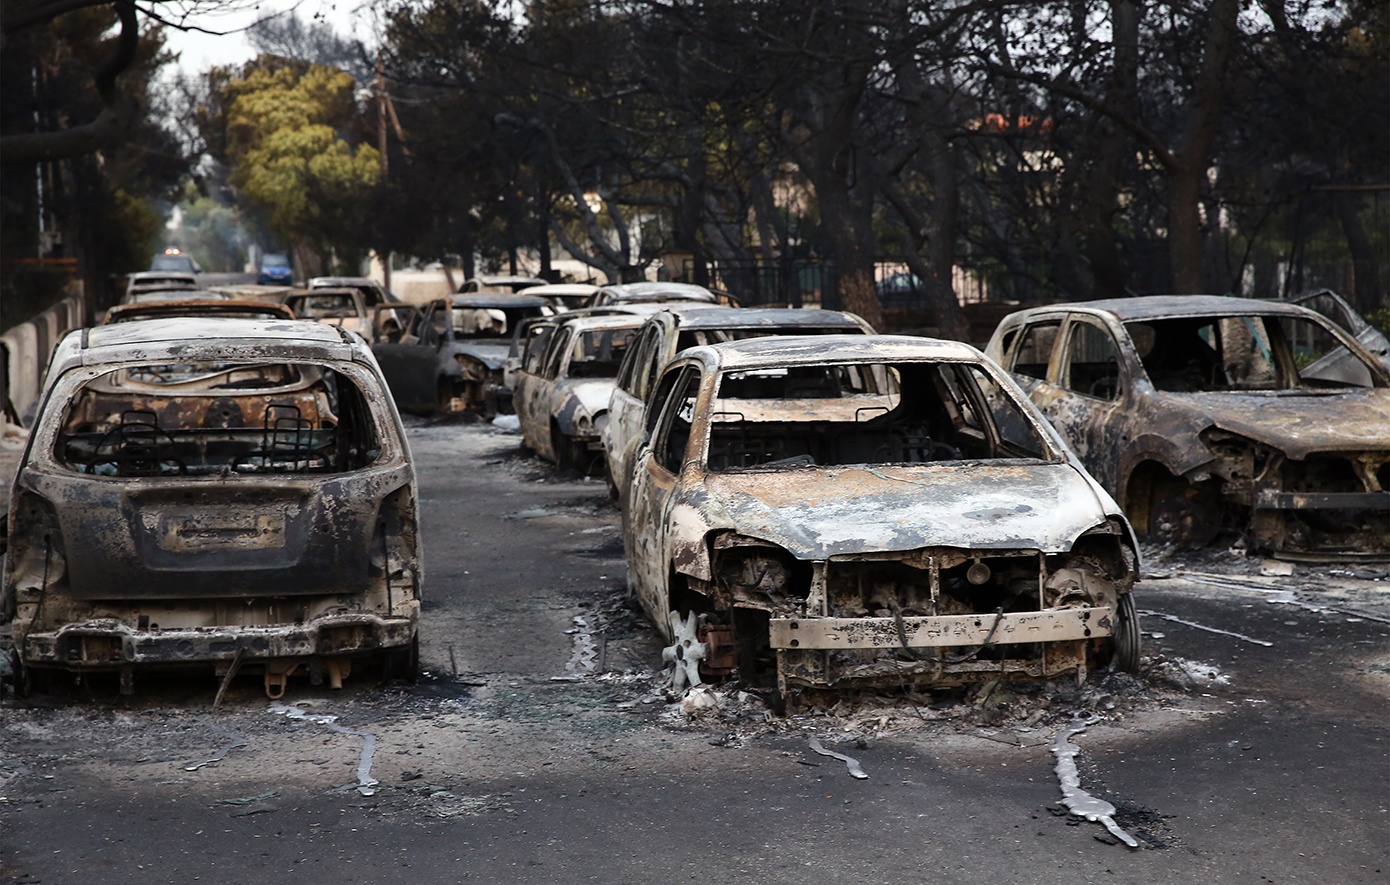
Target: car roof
[
  {"x": 585, "y": 323},
  {"x": 193, "y": 338},
  {"x": 502, "y": 279},
  {"x": 332, "y": 282},
  {"x": 162, "y": 274},
  {"x": 813, "y": 349},
  {"x": 323, "y": 290},
  {"x": 495, "y": 299},
  {"x": 185, "y": 307},
  {"x": 708, "y": 317},
  {"x": 658, "y": 290},
  {"x": 562, "y": 289},
  {"x": 1157, "y": 307}
]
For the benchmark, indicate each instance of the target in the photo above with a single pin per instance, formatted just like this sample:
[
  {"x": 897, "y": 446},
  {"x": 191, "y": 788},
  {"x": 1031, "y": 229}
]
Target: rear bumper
[{"x": 106, "y": 644}]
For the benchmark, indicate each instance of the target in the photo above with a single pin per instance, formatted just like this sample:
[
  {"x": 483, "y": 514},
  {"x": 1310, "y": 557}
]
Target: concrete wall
[{"x": 27, "y": 348}]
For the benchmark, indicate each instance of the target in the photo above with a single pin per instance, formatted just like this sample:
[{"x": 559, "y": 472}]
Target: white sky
[{"x": 198, "y": 52}]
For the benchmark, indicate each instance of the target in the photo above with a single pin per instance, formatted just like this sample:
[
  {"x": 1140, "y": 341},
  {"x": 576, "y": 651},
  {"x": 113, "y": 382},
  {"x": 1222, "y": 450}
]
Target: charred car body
[
  {"x": 559, "y": 396},
  {"x": 344, "y": 306},
  {"x": 1203, "y": 411},
  {"x": 840, "y": 511},
  {"x": 214, "y": 492},
  {"x": 674, "y": 329},
  {"x": 449, "y": 355}
]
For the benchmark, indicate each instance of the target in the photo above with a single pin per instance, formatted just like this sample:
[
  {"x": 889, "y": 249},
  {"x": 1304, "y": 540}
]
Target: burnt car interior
[
  {"x": 322, "y": 307},
  {"x": 1240, "y": 353},
  {"x": 217, "y": 418},
  {"x": 905, "y": 413},
  {"x": 598, "y": 353}
]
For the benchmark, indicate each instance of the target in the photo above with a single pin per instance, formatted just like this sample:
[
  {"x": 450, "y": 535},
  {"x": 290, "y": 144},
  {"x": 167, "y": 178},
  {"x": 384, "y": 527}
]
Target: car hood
[
  {"x": 1296, "y": 422},
  {"x": 826, "y": 511},
  {"x": 589, "y": 394},
  {"x": 490, "y": 354}
]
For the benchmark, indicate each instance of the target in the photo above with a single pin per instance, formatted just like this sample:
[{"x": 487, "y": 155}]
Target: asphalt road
[{"x": 540, "y": 748}]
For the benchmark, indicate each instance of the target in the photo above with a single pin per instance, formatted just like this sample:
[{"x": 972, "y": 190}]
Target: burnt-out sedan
[
  {"x": 218, "y": 493},
  {"x": 840, "y": 511},
  {"x": 1204, "y": 412}
]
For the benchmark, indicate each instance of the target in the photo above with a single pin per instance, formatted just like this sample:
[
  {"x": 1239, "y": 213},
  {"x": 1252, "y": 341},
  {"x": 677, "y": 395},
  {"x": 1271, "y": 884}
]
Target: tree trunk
[
  {"x": 1187, "y": 166},
  {"x": 1186, "y": 254},
  {"x": 1367, "y": 294}
]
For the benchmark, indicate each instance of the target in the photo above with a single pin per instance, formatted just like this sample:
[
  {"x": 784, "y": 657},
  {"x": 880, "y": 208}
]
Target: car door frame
[
  {"x": 410, "y": 365},
  {"x": 650, "y": 496}
]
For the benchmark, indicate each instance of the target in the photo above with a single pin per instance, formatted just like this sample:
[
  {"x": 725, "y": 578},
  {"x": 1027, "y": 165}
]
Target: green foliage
[
  {"x": 282, "y": 128},
  {"x": 1380, "y": 319}
]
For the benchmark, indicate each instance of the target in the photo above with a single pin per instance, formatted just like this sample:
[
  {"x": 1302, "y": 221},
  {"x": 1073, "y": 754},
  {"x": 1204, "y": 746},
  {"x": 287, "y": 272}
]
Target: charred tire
[
  {"x": 402, "y": 662},
  {"x": 1128, "y": 640}
]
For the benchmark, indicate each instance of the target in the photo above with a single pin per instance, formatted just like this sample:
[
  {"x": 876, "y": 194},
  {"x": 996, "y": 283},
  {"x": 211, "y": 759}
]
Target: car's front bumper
[{"x": 806, "y": 647}]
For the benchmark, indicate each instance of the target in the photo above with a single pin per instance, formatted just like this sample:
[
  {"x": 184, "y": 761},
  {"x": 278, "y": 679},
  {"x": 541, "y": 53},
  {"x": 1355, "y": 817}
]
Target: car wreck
[
  {"x": 840, "y": 511},
  {"x": 219, "y": 493},
  {"x": 344, "y": 306},
  {"x": 1201, "y": 413},
  {"x": 674, "y": 329},
  {"x": 559, "y": 396},
  {"x": 449, "y": 356}
]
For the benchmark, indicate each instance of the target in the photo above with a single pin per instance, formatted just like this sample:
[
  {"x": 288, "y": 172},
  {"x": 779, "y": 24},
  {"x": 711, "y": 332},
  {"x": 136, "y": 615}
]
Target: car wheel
[
  {"x": 1128, "y": 640},
  {"x": 685, "y": 652}
]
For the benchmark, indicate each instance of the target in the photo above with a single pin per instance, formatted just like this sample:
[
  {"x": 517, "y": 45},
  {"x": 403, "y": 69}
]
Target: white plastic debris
[
  {"x": 366, "y": 784},
  {"x": 510, "y": 423},
  {"x": 1077, "y": 800},
  {"x": 699, "y": 698},
  {"x": 850, "y": 762}
]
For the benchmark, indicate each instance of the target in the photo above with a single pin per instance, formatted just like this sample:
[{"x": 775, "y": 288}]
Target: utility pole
[{"x": 381, "y": 99}]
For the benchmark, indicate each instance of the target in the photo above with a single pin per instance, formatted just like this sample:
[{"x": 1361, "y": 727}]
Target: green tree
[{"x": 287, "y": 156}]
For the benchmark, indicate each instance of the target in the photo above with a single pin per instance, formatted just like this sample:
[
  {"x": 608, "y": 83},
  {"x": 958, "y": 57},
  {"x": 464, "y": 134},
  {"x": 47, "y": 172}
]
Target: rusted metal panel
[{"x": 942, "y": 631}]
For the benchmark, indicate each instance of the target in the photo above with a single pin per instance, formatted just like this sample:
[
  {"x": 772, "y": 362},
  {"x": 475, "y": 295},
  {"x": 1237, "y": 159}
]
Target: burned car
[
  {"x": 372, "y": 291},
  {"x": 559, "y": 396},
  {"x": 345, "y": 306},
  {"x": 840, "y": 511},
  {"x": 218, "y": 493},
  {"x": 1204, "y": 412},
  {"x": 449, "y": 355},
  {"x": 158, "y": 281},
  {"x": 673, "y": 330}
]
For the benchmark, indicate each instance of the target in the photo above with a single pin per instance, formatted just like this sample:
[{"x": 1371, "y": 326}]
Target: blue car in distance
[{"x": 275, "y": 269}]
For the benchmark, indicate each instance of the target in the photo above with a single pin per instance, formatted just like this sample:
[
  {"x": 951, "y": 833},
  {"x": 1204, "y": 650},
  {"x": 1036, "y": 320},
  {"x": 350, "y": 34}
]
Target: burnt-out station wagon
[
  {"x": 221, "y": 493},
  {"x": 1203, "y": 412},
  {"x": 849, "y": 510}
]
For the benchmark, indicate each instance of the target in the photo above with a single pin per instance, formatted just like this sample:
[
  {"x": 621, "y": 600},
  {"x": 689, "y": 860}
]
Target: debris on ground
[
  {"x": 1077, "y": 800},
  {"x": 850, "y": 762}
]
